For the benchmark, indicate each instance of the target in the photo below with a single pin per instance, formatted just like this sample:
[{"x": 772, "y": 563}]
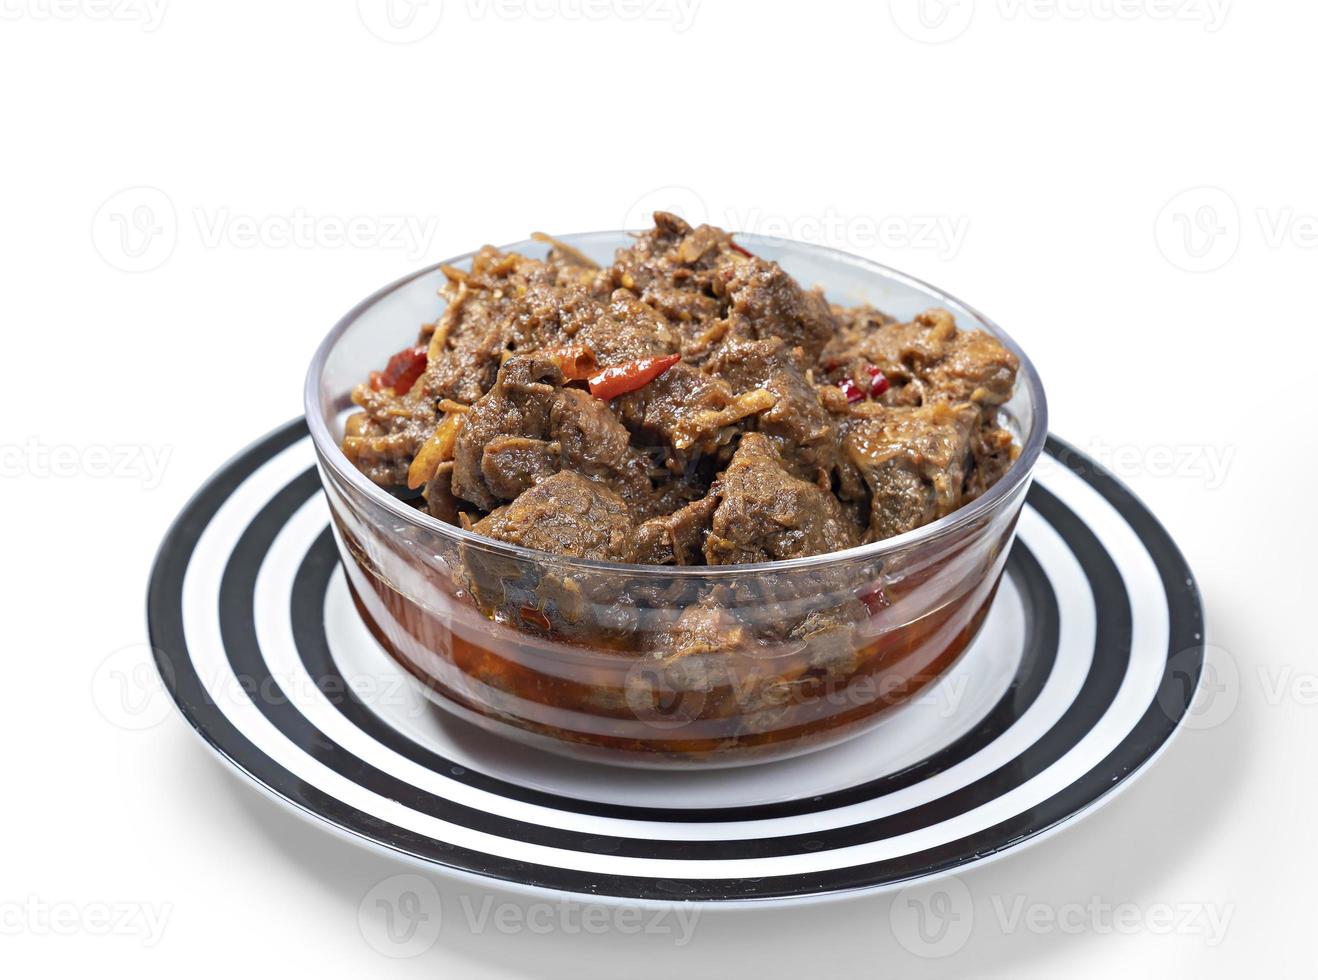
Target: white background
[{"x": 1061, "y": 154}]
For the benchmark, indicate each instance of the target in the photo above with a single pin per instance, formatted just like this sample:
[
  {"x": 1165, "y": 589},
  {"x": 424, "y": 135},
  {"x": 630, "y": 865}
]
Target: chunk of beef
[
  {"x": 626, "y": 330},
  {"x": 672, "y": 268},
  {"x": 925, "y": 360},
  {"x": 692, "y": 666},
  {"x": 682, "y": 414},
  {"x": 800, "y": 427},
  {"x": 974, "y": 368},
  {"x": 994, "y": 450},
  {"x": 677, "y": 538},
  {"x": 382, "y": 439},
  {"x": 766, "y": 514},
  {"x": 477, "y": 325},
  {"x": 912, "y": 460},
  {"x": 528, "y": 426},
  {"x": 566, "y": 514},
  {"x": 765, "y": 302}
]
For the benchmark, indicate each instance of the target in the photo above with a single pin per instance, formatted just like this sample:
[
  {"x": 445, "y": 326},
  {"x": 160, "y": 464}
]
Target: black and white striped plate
[{"x": 1083, "y": 670}]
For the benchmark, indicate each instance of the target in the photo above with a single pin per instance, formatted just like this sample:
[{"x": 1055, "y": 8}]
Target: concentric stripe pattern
[{"x": 1102, "y": 657}]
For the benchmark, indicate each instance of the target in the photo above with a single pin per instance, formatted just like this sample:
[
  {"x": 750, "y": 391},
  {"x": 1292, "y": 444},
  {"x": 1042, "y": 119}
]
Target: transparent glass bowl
[{"x": 793, "y": 656}]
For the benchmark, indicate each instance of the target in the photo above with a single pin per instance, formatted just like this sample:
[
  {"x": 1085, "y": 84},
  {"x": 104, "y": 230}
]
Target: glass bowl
[{"x": 778, "y": 659}]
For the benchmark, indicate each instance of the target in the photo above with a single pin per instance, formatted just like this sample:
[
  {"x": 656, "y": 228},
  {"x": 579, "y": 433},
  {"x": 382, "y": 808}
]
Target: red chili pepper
[
  {"x": 738, "y": 249},
  {"x": 874, "y": 600},
  {"x": 577, "y": 362},
  {"x": 535, "y": 617},
  {"x": 851, "y": 390},
  {"x": 879, "y": 382},
  {"x": 622, "y": 378},
  {"x": 401, "y": 372}
]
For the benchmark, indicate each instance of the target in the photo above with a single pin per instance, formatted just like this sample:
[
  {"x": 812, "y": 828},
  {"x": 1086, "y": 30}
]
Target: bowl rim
[{"x": 1017, "y": 476}]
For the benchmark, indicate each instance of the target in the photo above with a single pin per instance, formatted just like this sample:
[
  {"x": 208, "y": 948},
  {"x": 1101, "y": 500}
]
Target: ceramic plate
[{"x": 1085, "y": 665}]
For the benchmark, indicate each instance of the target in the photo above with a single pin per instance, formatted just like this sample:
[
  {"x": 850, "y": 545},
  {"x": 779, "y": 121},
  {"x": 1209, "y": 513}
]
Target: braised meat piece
[
  {"x": 766, "y": 514},
  {"x": 799, "y": 426},
  {"x": 974, "y": 368},
  {"x": 383, "y": 438},
  {"x": 765, "y": 302},
  {"x": 673, "y": 269},
  {"x": 925, "y": 360},
  {"x": 566, "y": 514},
  {"x": 913, "y": 461},
  {"x": 529, "y": 425},
  {"x": 677, "y": 538}
]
